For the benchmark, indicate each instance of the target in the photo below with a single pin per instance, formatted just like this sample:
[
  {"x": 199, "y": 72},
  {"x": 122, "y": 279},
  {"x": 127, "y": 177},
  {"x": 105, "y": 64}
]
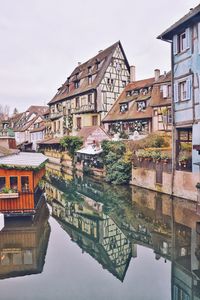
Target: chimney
[
  {"x": 79, "y": 63},
  {"x": 156, "y": 74},
  {"x": 100, "y": 51},
  {"x": 132, "y": 73}
]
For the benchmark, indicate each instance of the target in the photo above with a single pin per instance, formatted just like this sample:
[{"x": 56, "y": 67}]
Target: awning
[{"x": 89, "y": 150}]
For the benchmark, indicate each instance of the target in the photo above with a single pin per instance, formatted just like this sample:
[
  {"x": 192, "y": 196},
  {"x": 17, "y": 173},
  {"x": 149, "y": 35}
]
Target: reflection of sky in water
[{"x": 69, "y": 274}]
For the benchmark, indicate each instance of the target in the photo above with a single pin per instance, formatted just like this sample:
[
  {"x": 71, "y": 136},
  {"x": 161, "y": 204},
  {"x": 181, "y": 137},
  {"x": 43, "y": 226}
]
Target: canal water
[{"x": 96, "y": 241}]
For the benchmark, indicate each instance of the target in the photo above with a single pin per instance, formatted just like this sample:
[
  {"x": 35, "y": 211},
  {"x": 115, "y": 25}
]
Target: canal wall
[{"x": 184, "y": 182}]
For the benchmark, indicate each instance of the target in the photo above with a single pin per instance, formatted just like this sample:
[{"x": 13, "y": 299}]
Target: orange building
[{"x": 19, "y": 178}]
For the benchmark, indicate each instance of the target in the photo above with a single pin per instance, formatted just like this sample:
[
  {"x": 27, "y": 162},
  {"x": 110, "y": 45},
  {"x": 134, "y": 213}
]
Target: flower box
[{"x": 9, "y": 195}]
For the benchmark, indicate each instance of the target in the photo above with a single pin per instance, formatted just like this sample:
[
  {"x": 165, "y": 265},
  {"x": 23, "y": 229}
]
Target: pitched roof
[
  {"x": 41, "y": 128},
  {"x": 86, "y": 131},
  {"x": 50, "y": 141},
  {"x": 132, "y": 114},
  {"x": 89, "y": 68},
  {"x": 192, "y": 17},
  {"x": 37, "y": 109}
]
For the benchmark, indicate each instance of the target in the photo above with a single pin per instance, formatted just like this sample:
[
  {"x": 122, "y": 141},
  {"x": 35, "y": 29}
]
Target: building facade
[
  {"x": 143, "y": 107},
  {"x": 89, "y": 92},
  {"x": 184, "y": 37}
]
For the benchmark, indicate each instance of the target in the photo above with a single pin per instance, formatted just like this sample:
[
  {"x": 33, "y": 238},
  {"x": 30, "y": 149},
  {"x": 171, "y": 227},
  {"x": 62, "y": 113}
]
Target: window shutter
[
  {"x": 199, "y": 37},
  {"x": 175, "y": 92},
  {"x": 187, "y": 34},
  {"x": 165, "y": 91},
  {"x": 188, "y": 89},
  {"x": 175, "y": 293},
  {"x": 175, "y": 44}
]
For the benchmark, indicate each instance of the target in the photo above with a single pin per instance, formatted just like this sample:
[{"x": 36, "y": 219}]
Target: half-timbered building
[
  {"x": 184, "y": 37},
  {"x": 143, "y": 107},
  {"x": 132, "y": 112},
  {"x": 89, "y": 92}
]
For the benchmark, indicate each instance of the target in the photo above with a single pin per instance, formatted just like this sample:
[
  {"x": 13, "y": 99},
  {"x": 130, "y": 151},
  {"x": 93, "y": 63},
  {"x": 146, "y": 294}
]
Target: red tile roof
[{"x": 132, "y": 114}]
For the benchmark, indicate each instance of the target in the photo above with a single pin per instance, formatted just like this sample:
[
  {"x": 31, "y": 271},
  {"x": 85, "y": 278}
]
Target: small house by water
[{"x": 19, "y": 178}]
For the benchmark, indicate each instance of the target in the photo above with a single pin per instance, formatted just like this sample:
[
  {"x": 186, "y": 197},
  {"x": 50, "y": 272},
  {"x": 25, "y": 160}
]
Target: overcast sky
[{"x": 43, "y": 40}]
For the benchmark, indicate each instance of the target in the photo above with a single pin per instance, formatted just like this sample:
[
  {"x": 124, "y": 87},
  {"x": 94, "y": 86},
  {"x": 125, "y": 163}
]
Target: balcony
[
  {"x": 83, "y": 109},
  {"x": 56, "y": 115}
]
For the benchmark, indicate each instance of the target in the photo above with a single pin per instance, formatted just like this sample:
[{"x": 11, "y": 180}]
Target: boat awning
[
  {"x": 23, "y": 159},
  {"x": 89, "y": 150}
]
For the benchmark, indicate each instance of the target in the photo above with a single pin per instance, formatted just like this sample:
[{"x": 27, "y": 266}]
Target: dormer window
[
  {"x": 89, "y": 69},
  {"x": 123, "y": 107},
  {"x": 128, "y": 93},
  {"x": 141, "y": 105},
  {"x": 77, "y": 84},
  {"x": 90, "y": 79},
  {"x": 97, "y": 63}
]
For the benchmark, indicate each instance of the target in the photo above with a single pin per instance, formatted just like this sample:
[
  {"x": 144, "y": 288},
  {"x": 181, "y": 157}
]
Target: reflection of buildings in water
[
  {"x": 186, "y": 263},
  {"x": 98, "y": 235},
  {"x": 23, "y": 245},
  {"x": 95, "y": 232},
  {"x": 152, "y": 220}
]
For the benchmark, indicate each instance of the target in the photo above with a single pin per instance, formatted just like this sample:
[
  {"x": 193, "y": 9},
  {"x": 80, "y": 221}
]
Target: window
[
  {"x": 181, "y": 41},
  {"x": 89, "y": 69},
  {"x": 123, "y": 107},
  {"x": 141, "y": 105},
  {"x": 182, "y": 90},
  {"x": 14, "y": 183},
  {"x": 78, "y": 121},
  {"x": 25, "y": 183},
  {"x": 169, "y": 116},
  {"x": 77, "y": 102},
  {"x": 58, "y": 125},
  {"x": 89, "y": 79},
  {"x": 182, "y": 45},
  {"x": 94, "y": 121},
  {"x": 166, "y": 89},
  {"x": 77, "y": 84},
  {"x": 123, "y": 83},
  {"x": 90, "y": 99},
  {"x": 2, "y": 183}
]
